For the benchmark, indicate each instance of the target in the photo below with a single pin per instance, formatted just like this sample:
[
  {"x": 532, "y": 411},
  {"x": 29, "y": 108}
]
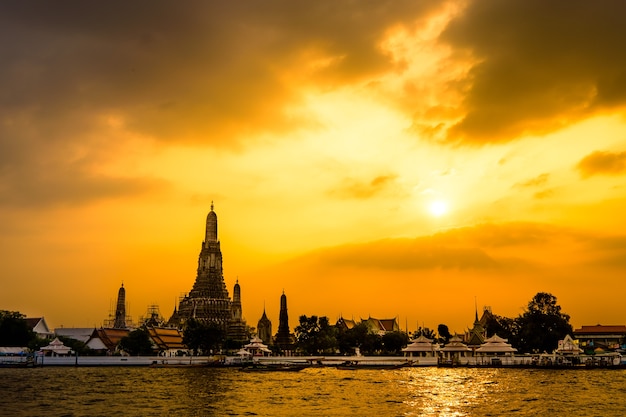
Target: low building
[
  {"x": 106, "y": 339},
  {"x": 82, "y": 334},
  {"x": 168, "y": 341},
  {"x": 591, "y": 338},
  {"x": 257, "y": 348},
  {"x": 496, "y": 345},
  {"x": 39, "y": 326},
  {"x": 455, "y": 352},
  {"x": 568, "y": 346},
  {"x": 56, "y": 348},
  {"x": 381, "y": 326},
  {"x": 422, "y": 347}
]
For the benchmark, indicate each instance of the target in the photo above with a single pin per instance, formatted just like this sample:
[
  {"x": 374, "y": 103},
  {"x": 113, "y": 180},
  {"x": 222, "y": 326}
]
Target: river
[{"x": 326, "y": 391}]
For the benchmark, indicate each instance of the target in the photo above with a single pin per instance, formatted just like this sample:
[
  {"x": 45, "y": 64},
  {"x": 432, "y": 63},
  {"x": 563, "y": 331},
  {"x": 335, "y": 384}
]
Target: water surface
[{"x": 141, "y": 391}]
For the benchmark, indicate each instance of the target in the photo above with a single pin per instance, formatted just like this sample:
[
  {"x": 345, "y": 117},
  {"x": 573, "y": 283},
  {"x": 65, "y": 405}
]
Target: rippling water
[{"x": 142, "y": 391}]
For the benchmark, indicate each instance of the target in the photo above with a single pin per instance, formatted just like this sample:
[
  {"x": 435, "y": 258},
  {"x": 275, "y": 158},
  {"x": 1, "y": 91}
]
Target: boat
[
  {"x": 186, "y": 364},
  {"x": 274, "y": 367},
  {"x": 29, "y": 362},
  {"x": 354, "y": 365}
]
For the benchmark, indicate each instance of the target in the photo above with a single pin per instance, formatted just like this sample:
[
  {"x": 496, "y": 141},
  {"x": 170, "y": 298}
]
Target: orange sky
[{"x": 375, "y": 158}]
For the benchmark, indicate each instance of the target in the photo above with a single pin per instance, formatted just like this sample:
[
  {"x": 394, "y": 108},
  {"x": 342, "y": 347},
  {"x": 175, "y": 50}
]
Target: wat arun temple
[{"x": 208, "y": 301}]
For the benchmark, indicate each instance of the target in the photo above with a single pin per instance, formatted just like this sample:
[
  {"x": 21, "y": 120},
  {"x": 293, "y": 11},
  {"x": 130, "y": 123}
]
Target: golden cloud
[{"x": 602, "y": 162}]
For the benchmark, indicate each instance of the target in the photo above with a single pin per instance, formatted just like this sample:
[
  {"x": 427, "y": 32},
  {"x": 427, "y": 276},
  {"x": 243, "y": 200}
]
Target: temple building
[
  {"x": 284, "y": 339},
  {"x": 208, "y": 300},
  {"x": 237, "y": 328},
  {"x": 120, "y": 311},
  {"x": 477, "y": 335},
  {"x": 119, "y": 319},
  {"x": 264, "y": 328}
]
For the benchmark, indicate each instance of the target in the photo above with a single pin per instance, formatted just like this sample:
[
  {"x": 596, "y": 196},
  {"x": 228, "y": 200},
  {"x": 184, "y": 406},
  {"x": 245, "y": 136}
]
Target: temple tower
[
  {"x": 284, "y": 339},
  {"x": 237, "y": 329},
  {"x": 208, "y": 300},
  {"x": 264, "y": 329},
  {"x": 119, "y": 322}
]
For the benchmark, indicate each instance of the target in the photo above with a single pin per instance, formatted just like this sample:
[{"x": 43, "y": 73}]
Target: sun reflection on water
[{"x": 437, "y": 391}]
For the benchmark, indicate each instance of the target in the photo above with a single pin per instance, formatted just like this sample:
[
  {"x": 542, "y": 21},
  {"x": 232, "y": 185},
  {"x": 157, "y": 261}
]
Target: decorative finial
[
  {"x": 476, "y": 307},
  {"x": 211, "y": 205}
]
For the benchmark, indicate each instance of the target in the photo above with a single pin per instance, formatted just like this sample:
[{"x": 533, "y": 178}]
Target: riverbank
[{"x": 355, "y": 362}]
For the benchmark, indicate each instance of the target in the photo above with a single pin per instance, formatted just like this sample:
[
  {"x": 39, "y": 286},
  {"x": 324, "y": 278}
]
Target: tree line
[{"x": 537, "y": 329}]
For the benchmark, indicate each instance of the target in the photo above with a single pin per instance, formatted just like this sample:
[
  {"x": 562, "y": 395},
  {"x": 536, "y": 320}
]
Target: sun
[{"x": 438, "y": 208}]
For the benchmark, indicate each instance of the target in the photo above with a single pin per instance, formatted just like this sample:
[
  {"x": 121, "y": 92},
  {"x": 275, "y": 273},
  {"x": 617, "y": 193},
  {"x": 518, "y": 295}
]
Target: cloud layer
[{"x": 538, "y": 65}]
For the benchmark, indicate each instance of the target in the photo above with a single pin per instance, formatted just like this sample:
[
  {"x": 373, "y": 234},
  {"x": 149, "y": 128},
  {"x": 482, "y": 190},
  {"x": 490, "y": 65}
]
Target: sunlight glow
[{"x": 438, "y": 208}]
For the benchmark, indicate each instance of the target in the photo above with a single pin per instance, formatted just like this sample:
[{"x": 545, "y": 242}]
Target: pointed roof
[
  {"x": 56, "y": 346},
  {"x": 108, "y": 337},
  {"x": 166, "y": 338},
  {"x": 568, "y": 346},
  {"x": 39, "y": 326},
  {"x": 496, "y": 344},
  {"x": 422, "y": 344},
  {"x": 256, "y": 345},
  {"x": 243, "y": 352},
  {"x": 456, "y": 345},
  {"x": 345, "y": 323},
  {"x": 82, "y": 334}
]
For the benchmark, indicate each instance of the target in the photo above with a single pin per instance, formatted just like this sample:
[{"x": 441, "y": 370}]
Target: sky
[{"x": 373, "y": 158}]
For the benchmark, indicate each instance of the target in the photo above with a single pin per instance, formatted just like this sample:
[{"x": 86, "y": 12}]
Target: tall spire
[
  {"x": 476, "y": 309},
  {"x": 211, "y": 227},
  {"x": 120, "y": 310},
  {"x": 208, "y": 300},
  {"x": 283, "y": 337}
]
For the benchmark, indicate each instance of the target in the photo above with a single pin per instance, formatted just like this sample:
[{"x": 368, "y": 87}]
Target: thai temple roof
[
  {"x": 456, "y": 345},
  {"x": 256, "y": 345},
  {"x": 109, "y": 337},
  {"x": 56, "y": 346},
  {"x": 496, "y": 344},
  {"x": 422, "y": 344},
  {"x": 166, "y": 338},
  {"x": 81, "y": 334},
  {"x": 568, "y": 345}
]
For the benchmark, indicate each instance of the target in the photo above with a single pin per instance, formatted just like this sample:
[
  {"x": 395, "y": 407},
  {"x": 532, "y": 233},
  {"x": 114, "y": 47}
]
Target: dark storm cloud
[
  {"x": 199, "y": 72},
  {"x": 184, "y": 70},
  {"x": 602, "y": 162},
  {"x": 540, "y": 65}
]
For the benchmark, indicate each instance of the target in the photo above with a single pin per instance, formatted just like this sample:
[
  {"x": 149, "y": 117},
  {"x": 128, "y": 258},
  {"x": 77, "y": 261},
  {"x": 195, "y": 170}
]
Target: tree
[
  {"x": 315, "y": 336},
  {"x": 14, "y": 330},
  {"x": 393, "y": 342},
  {"x": 372, "y": 344},
  {"x": 444, "y": 333},
  {"x": 541, "y": 326},
  {"x": 426, "y": 332},
  {"x": 327, "y": 336},
  {"x": 203, "y": 337},
  {"x": 137, "y": 343},
  {"x": 359, "y": 337},
  {"x": 502, "y": 326},
  {"x": 77, "y": 346}
]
